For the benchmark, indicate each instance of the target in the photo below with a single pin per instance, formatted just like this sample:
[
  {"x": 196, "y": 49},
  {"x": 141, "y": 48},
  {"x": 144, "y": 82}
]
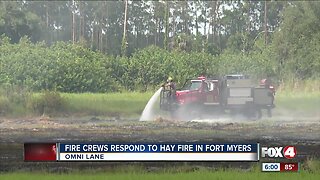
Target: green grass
[
  {"x": 124, "y": 104},
  {"x": 106, "y": 104},
  {"x": 130, "y": 104},
  {"x": 199, "y": 175},
  {"x": 302, "y": 101}
]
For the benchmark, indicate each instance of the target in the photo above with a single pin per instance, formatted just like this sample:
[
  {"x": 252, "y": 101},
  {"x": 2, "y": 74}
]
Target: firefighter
[
  {"x": 170, "y": 85},
  {"x": 267, "y": 83},
  {"x": 168, "y": 95}
]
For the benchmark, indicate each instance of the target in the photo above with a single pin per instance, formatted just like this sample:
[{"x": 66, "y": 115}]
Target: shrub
[
  {"x": 49, "y": 103},
  {"x": 312, "y": 165},
  {"x": 4, "y": 105}
]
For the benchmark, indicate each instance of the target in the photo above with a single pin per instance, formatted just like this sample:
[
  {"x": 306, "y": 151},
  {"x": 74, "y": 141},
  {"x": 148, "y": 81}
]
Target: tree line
[
  {"x": 116, "y": 27},
  {"x": 92, "y": 46}
]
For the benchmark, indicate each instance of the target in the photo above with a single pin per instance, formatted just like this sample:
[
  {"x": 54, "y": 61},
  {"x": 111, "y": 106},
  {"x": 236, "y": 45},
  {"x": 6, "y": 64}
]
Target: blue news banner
[{"x": 157, "y": 152}]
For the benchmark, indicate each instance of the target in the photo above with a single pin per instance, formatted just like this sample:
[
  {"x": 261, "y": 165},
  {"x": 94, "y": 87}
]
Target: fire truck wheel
[
  {"x": 259, "y": 113},
  {"x": 253, "y": 113},
  {"x": 269, "y": 112}
]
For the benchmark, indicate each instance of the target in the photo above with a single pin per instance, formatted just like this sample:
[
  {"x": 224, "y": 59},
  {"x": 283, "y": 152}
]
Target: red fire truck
[{"x": 231, "y": 93}]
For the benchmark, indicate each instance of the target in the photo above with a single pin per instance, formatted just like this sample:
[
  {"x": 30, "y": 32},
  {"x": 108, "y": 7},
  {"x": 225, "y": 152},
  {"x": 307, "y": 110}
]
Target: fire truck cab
[{"x": 200, "y": 90}]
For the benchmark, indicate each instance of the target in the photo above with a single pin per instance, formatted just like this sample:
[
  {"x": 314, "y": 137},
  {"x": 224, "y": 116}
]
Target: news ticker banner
[{"x": 140, "y": 152}]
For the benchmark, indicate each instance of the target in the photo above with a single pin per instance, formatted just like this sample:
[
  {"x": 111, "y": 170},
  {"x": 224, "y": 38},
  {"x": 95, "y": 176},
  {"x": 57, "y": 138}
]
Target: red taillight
[{"x": 272, "y": 88}]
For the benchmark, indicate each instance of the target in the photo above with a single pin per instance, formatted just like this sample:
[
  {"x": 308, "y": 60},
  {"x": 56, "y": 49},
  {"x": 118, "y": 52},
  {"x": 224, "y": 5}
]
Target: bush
[
  {"x": 49, "y": 103},
  {"x": 63, "y": 67},
  {"x": 13, "y": 100},
  {"x": 312, "y": 165},
  {"x": 4, "y": 105}
]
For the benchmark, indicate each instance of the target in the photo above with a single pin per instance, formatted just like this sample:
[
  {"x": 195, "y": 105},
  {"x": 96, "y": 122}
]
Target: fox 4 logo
[{"x": 288, "y": 152}]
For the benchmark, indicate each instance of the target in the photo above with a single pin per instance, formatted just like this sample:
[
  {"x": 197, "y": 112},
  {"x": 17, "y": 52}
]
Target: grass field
[
  {"x": 112, "y": 104},
  {"x": 295, "y": 101},
  {"x": 129, "y": 104},
  {"x": 132, "y": 104},
  {"x": 199, "y": 175}
]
